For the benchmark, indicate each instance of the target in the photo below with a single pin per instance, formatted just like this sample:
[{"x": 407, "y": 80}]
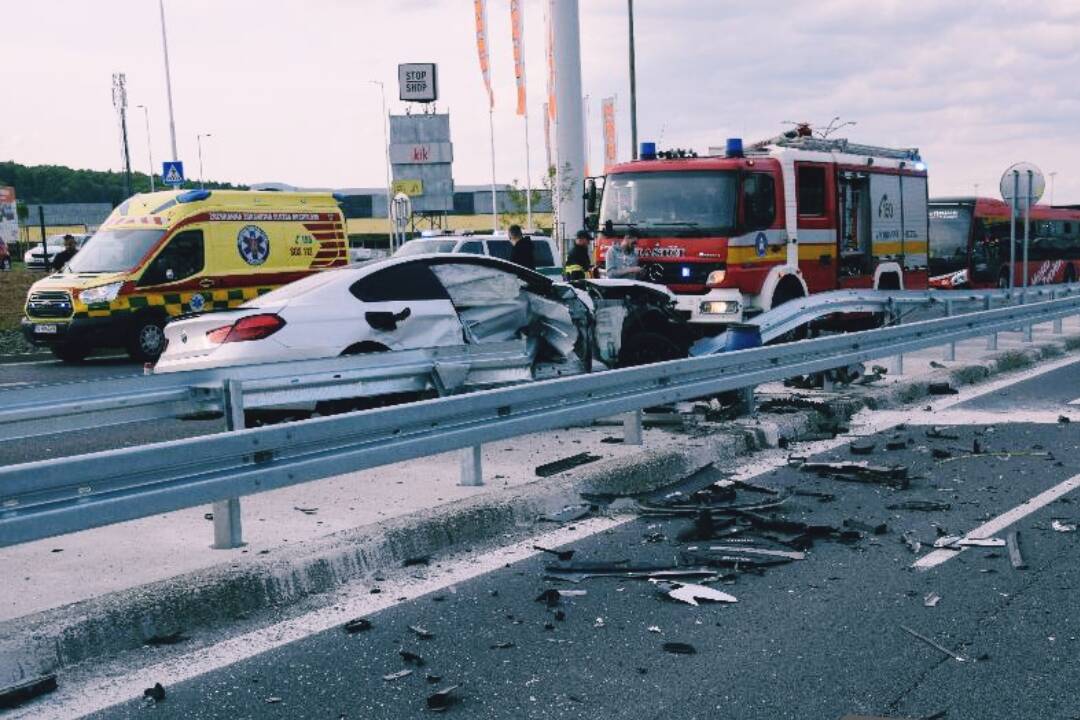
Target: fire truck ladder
[{"x": 839, "y": 145}]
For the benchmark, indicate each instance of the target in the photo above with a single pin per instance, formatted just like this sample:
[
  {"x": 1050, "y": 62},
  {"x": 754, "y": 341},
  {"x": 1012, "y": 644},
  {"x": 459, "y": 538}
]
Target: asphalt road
[
  {"x": 44, "y": 372},
  {"x": 1054, "y": 390},
  {"x": 817, "y": 638}
]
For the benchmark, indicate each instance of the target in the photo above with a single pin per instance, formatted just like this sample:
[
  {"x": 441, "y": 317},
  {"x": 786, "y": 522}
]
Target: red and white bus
[
  {"x": 737, "y": 234},
  {"x": 969, "y": 244}
]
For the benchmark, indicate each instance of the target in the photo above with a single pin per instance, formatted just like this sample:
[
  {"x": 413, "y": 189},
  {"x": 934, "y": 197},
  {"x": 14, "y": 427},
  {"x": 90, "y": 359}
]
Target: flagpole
[{"x": 494, "y": 199}]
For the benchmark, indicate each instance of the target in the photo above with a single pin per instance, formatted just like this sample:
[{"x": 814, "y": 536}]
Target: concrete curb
[{"x": 42, "y": 643}]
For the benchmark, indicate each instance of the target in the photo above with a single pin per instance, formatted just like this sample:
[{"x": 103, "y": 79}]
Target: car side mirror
[{"x": 590, "y": 196}]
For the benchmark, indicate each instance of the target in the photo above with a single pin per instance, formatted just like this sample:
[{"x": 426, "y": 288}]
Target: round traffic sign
[{"x": 1022, "y": 180}]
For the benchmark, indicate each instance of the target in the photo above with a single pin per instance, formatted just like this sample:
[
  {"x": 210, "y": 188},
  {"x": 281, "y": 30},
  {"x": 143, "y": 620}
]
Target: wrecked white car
[{"x": 428, "y": 302}]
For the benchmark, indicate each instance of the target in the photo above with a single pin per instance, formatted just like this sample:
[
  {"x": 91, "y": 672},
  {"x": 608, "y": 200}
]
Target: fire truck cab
[{"x": 740, "y": 233}]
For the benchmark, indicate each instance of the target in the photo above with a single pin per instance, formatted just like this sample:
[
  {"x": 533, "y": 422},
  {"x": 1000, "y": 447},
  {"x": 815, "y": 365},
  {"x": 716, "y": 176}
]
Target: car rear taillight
[{"x": 252, "y": 327}]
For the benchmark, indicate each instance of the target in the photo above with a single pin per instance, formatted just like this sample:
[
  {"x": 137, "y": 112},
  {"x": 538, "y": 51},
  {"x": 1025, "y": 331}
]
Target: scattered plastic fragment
[
  {"x": 411, "y": 658},
  {"x": 896, "y": 442},
  {"x": 1012, "y": 540},
  {"x": 599, "y": 623},
  {"x": 654, "y": 629},
  {"x": 912, "y": 541},
  {"x": 1064, "y": 419},
  {"x": 549, "y": 597},
  {"x": 433, "y": 679},
  {"x": 931, "y": 599},
  {"x": 273, "y": 700},
  {"x": 821, "y": 496},
  {"x": 941, "y": 388},
  {"x": 752, "y": 487},
  {"x": 306, "y": 510},
  {"x": 896, "y": 475},
  {"x": 937, "y": 433},
  {"x": 690, "y": 594},
  {"x": 156, "y": 693},
  {"x": 570, "y": 513},
  {"x": 940, "y": 453},
  {"x": 563, "y": 555},
  {"x": 357, "y": 625},
  {"x": 421, "y": 632},
  {"x": 566, "y": 463},
  {"x": 679, "y": 648},
  {"x": 789, "y": 554},
  {"x": 505, "y": 645},
  {"x": 418, "y": 560},
  {"x": 878, "y": 529},
  {"x": 393, "y": 676},
  {"x": 936, "y": 646},
  {"x": 440, "y": 701},
  {"x": 922, "y": 505},
  {"x": 16, "y": 695},
  {"x": 981, "y": 542},
  {"x": 1062, "y": 527}
]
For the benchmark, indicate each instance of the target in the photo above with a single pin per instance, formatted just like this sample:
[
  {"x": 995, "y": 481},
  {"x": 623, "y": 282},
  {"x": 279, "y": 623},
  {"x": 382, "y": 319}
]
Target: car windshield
[
  {"x": 691, "y": 202},
  {"x": 420, "y": 247},
  {"x": 950, "y": 228},
  {"x": 114, "y": 250}
]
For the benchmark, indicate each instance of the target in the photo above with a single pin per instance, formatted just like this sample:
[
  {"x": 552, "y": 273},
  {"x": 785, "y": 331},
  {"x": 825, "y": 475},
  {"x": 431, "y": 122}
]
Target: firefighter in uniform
[{"x": 578, "y": 266}]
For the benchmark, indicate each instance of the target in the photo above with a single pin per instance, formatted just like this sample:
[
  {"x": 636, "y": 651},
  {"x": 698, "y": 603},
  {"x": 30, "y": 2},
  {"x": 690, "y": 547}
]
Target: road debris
[
  {"x": 979, "y": 453},
  {"x": 788, "y": 554},
  {"x": 941, "y": 388},
  {"x": 1064, "y": 419},
  {"x": 690, "y": 594},
  {"x": 563, "y": 555},
  {"x": 411, "y": 658},
  {"x": 920, "y": 505},
  {"x": 981, "y": 542},
  {"x": 504, "y": 645},
  {"x": 931, "y": 600},
  {"x": 169, "y": 639},
  {"x": 654, "y": 629},
  {"x": 622, "y": 569},
  {"x": 912, "y": 541},
  {"x": 418, "y": 560},
  {"x": 896, "y": 442},
  {"x": 563, "y": 464},
  {"x": 599, "y": 623},
  {"x": 864, "y": 447},
  {"x": 679, "y": 648},
  {"x": 936, "y": 646},
  {"x": 433, "y": 679},
  {"x": 896, "y": 475},
  {"x": 394, "y": 676},
  {"x": 357, "y": 625},
  {"x": 1012, "y": 540},
  {"x": 421, "y": 632},
  {"x": 156, "y": 693},
  {"x": 936, "y": 433},
  {"x": 441, "y": 700},
  {"x": 878, "y": 529},
  {"x": 570, "y": 513},
  {"x": 1062, "y": 527},
  {"x": 306, "y": 510},
  {"x": 746, "y": 485},
  {"x": 16, "y": 695},
  {"x": 821, "y": 496}
]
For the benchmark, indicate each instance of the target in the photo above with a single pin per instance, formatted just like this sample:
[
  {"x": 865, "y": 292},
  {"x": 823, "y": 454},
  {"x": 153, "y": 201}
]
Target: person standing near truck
[
  {"x": 577, "y": 262},
  {"x": 522, "y": 254},
  {"x": 621, "y": 260}
]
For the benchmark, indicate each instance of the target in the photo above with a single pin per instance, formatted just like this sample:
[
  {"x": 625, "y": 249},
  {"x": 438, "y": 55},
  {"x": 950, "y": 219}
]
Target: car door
[{"x": 405, "y": 307}]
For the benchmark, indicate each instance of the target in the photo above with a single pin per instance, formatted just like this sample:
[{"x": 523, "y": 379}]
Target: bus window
[{"x": 950, "y": 229}]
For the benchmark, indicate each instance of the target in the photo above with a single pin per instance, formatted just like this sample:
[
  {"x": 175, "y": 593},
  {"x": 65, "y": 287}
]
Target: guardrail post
[
  {"x": 950, "y": 349},
  {"x": 747, "y": 394},
  {"x": 1057, "y": 321},
  {"x": 898, "y": 360},
  {"x": 1029, "y": 327},
  {"x": 632, "y": 428},
  {"x": 472, "y": 466},
  {"x": 228, "y": 531},
  {"x": 991, "y": 339}
]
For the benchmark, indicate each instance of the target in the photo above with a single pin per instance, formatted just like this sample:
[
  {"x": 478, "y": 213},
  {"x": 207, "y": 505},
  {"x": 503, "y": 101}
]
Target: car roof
[{"x": 535, "y": 280}]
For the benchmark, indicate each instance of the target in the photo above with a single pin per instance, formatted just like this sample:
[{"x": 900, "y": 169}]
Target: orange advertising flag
[
  {"x": 611, "y": 148},
  {"x": 480, "y": 7},
  {"x": 517, "y": 23}
]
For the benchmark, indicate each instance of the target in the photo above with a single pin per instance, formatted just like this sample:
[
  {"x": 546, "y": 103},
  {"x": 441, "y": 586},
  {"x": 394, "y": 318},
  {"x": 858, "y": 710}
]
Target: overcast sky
[{"x": 283, "y": 87}]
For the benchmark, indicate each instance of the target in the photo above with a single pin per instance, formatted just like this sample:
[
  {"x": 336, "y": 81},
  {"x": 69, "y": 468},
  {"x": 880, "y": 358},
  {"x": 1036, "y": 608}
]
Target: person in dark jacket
[
  {"x": 64, "y": 256},
  {"x": 522, "y": 254},
  {"x": 578, "y": 265}
]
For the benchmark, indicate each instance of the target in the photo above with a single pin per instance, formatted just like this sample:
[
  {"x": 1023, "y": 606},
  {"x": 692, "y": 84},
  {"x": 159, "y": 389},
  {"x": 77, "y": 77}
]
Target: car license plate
[{"x": 46, "y": 329}]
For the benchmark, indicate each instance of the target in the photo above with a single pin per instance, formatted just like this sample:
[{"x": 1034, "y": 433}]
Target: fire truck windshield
[{"x": 691, "y": 202}]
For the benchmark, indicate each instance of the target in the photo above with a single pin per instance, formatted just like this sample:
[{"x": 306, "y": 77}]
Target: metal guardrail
[{"x": 52, "y": 497}]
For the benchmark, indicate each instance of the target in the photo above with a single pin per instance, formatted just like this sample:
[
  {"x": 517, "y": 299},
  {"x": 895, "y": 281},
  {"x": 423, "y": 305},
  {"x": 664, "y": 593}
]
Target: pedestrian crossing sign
[{"x": 172, "y": 172}]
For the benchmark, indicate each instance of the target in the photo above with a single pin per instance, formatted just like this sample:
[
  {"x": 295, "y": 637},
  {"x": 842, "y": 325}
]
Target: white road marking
[
  {"x": 105, "y": 687},
  {"x": 993, "y": 527},
  {"x": 13, "y": 384}
]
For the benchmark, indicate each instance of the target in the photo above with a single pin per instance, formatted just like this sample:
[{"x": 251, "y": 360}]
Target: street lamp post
[
  {"x": 168, "y": 80},
  {"x": 1052, "y": 176},
  {"x": 149, "y": 145},
  {"x": 386, "y": 147},
  {"x": 198, "y": 141}
]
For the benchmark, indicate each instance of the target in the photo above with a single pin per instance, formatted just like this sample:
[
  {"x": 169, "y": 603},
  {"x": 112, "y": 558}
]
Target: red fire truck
[{"x": 737, "y": 234}]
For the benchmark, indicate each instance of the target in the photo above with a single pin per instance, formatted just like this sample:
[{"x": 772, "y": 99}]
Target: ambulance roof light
[{"x": 192, "y": 196}]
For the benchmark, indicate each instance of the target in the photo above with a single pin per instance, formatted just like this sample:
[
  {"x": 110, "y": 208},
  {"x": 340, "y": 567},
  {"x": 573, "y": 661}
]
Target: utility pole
[
  {"x": 149, "y": 145},
  {"x": 1052, "y": 176},
  {"x": 198, "y": 141},
  {"x": 119, "y": 96},
  {"x": 168, "y": 80},
  {"x": 633, "y": 85},
  {"x": 386, "y": 155}
]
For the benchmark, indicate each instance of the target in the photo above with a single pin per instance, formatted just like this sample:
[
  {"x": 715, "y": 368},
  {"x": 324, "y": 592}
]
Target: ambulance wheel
[
  {"x": 147, "y": 339},
  {"x": 70, "y": 353}
]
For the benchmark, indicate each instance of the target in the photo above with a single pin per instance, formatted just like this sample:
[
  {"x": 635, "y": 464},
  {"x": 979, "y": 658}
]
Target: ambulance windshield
[
  {"x": 114, "y": 250},
  {"x": 691, "y": 202}
]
